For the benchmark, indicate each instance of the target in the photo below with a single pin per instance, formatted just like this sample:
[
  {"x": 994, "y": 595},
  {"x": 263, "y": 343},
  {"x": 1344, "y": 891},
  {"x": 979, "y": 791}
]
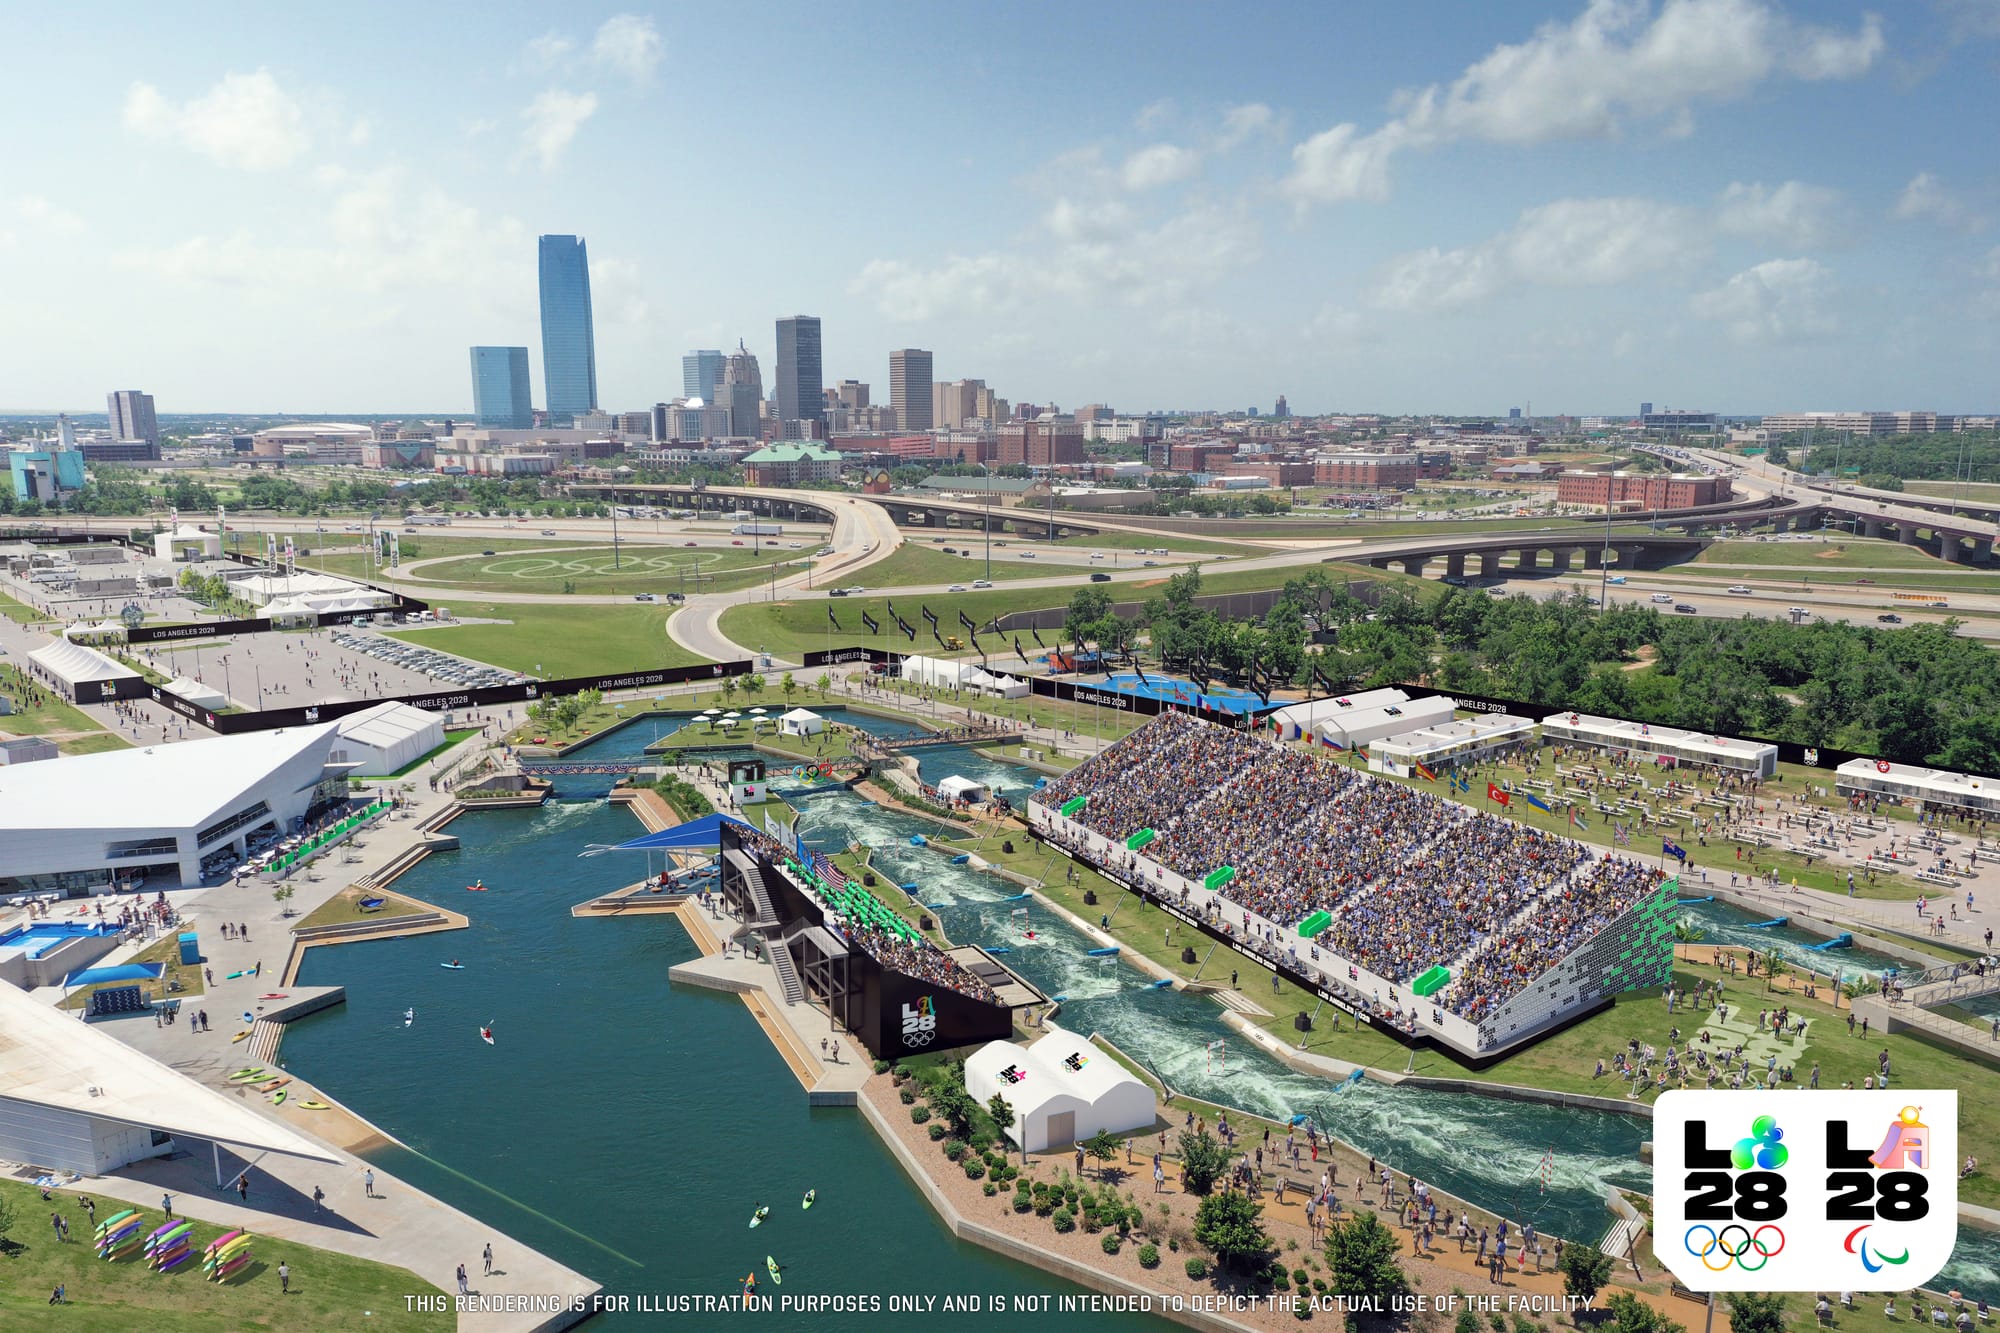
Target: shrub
[
  {"x": 1110, "y": 1242},
  {"x": 1127, "y": 1219},
  {"x": 1091, "y": 1222},
  {"x": 1498, "y": 1320},
  {"x": 1045, "y": 1204},
  {"x": 1070, "y": 1194},
  {"x": 919, "y": 1114},
  {"x": 954, "y": 1149},
  {"x": 1523, "y": 1324},
  {"x": 989, "y": 1189},
  {"x": 881, "y": 1066},
  {"x": 1149, "y": 1256},
  {"x": 1302, "y": 1311},
  {"x": 974, "y": 1170},
  {"x": 1300, "y": 1276},
  {"x": 1197, "y": 1268},
  {"x": 909, "y": 1098},
  {"x": 1063, "y": 1220},
  {"x": 937, "y": 1132},
  {"x": 1278, "y": 1278},
  {"x": 1023, "y": 1202}
]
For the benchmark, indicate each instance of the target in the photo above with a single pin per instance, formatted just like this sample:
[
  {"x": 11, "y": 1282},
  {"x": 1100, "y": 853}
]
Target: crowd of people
[
  {"x": 1154, "y": 776},
  {"x": 1276, "y": 789},
  {"x": 923, "y": 960},
  {"x": 1584, "y": 905}
]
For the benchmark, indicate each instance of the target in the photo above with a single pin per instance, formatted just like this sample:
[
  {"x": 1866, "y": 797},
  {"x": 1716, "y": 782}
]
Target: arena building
[{"x": 90, "y": 823}]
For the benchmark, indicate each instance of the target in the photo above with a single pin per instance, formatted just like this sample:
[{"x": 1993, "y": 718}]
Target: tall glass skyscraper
[
  {"x": 500, "y": 388},
  {"x": 701, "y": 375},
  {"x": 799, "y": 392},
  {"x": 569, "y": 349}
]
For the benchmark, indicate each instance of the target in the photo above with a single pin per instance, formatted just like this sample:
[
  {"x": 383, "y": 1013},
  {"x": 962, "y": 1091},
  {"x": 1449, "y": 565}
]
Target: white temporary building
[
  {"x": 103, "y": 629},
  {"x": 89, "y": 674},
  {"x": 1664, "y": 745},
  {"x": 993, "y": 684},
  {"x": 286, "y": 609},
  {"x": 1061, "y": 1089},
  {"x": 801, "y": 722},
  {"x": 939, "y": 672},
  {"x": 1372, "y": 724},
  {"x": 1295, "y": 720},
  {"x": 321, "y": 592},
  {"x": 1459, "y": 742},
  {"x": 196, "y": 693},
  {"x": 957, "y": 788},
  {"x": 1911, "y": 782},
  {"x": 186, "y": 542},
  {"x": 386, "y": 738}
]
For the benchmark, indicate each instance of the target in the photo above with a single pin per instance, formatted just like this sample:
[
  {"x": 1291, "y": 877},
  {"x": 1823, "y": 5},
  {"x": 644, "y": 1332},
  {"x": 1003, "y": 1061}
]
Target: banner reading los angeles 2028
[{"x": 1805, "y": 1190}]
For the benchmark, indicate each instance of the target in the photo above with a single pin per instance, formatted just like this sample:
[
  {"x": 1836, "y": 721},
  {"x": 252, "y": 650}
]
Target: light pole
[{"x": 614, "y": 530}]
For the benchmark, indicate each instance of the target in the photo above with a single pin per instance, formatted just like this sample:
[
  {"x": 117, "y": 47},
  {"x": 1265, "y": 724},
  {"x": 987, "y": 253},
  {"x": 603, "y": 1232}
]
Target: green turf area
[
  {"x": 346, "y": 553},
  {"x": 328, "y": 1290},
  {"x": 166, "y": 949},
  {"x": 552, "y": 640},
  {"x": 97, "y": 742},
  {"x": 914, "y": 564},
  {"x": 19, "y": 612},
  {"x": 1986, "y": 492},
  {"x": 1143, "y": 541},
  {"x": 1939, "y": 579},
  {"x": 589, "y": 569},
  {"x": 345, "y": 906},
  {"x": 52, "y": 715},
  {"x": 1839, "y": 553}
]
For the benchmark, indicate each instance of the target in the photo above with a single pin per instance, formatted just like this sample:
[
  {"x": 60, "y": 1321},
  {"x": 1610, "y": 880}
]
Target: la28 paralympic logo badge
[{"x": 1808, "y": 1191}]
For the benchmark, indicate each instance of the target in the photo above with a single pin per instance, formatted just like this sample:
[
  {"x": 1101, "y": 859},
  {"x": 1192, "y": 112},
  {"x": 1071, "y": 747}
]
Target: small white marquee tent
[{"x": 1062, "y": 1089}]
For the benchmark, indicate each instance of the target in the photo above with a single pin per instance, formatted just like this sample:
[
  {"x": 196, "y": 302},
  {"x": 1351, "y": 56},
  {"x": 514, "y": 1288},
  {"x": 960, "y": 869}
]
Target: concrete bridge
[{"x": 1534, "y": 552}]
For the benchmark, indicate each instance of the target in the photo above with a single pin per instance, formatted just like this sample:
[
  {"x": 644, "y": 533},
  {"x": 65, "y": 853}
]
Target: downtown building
[
  {"x": 135, "y": 429},
  {"x": 910, "y": 389},
  {"x": 800, "y": 396},
  {"x": 1874, "y": 423},
  {"x": 1041, "y": 443},
  {"x": 569, "y": 347},
  {"x": 1638, "y": 490},
  {"x": 500, "y": 394}
]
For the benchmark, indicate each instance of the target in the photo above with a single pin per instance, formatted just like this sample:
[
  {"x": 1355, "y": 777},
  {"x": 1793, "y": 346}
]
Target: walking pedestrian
[
  {"x": 243, "y": 1187},
  {"x": 488, "y": 1257},
  {"x": 368, "y": 1184},
  {"x": 284, "y": 1277},
  {"x": 463, "y": 1288}
]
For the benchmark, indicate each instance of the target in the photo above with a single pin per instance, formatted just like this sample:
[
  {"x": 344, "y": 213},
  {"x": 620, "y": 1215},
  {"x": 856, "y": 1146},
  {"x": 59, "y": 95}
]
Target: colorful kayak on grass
[
  {"x": 112, "y": 1222},
  {"x": 224, "y": 1239},
  {"x": 757, "y": 1218}
]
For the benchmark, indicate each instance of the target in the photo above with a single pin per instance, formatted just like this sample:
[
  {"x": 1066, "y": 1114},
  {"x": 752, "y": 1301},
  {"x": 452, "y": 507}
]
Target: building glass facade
[
  {"x": 701, "y": 375},
  {"x": 800, "y": 393},
  {"x": 569, "y": 348},
  {"x": 500, "y": 388}
]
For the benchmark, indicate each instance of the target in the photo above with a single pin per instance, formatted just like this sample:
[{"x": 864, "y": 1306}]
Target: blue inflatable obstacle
[
  {"x": 960, "y": 859},
  {"x": 1767, "y": 925},
  {"x": 1690, "y": 902},
  {"x": 998, "y": 948},
  {"x": 1162, "y": 983},
  {"x": 1019, "y": 897},
  {"x": 1844, "y": 940},
  {"x": 1102, "y": 953},
  {"x": 917, "y": 840}
]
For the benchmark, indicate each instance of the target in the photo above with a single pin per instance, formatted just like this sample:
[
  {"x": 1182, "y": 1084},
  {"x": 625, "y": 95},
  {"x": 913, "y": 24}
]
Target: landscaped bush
[
  {"x": 1023, "y": 1202},
  {"x": 1131, "y": 1218},
  {"x": 1090, "y": 1222},
  {"x": 1279, "y": 1280},
  {"x": 937, "y": 1132},
  {"x": 919, "y": 1114},
  {"x": 881, "y": 1066},
  {"x": 974, "y": 1170},
  {"x": 1044, "y": 1204},
  {"x": 1149, "y": 1256},
  {"x": 1197, "y": 1268},
  {"x": 955, "y": 1149},
  {"x": 1110, "y": 1242},
  {"x": 1063, "y": 1220},
  {"x": 1300, "y": 1276},
  {"x": 909, "y": 1098},
  {"x": 989, "y": 1189}
]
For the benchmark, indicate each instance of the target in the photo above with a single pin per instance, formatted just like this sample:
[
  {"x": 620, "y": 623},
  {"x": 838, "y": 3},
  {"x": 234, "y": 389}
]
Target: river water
[{"x": 629, "y": 1128}]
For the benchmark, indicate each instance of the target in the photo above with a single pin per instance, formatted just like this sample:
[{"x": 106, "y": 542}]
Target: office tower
[
  {"x": 500, "y": 396},
  {"x": 701, "y": 375},
  {"x": 657, "y": 423},
  {"x": 1283, "y": 410},
  {"x": 132, "y": 418},
  {"x": 66, "y": 433},
  {"x": 850, "y": 394},
  {"x": 569, "y": 349},
  {"x": 799, "y": 393},
  {"x": 743, "y": 392},
  {"x": 910, "y": 389},
  {"x": 1645, "y": 410}
]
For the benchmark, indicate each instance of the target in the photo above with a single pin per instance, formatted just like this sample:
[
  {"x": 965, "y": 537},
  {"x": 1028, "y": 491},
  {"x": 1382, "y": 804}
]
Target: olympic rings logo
[{"x": 1751, "y": 1242}]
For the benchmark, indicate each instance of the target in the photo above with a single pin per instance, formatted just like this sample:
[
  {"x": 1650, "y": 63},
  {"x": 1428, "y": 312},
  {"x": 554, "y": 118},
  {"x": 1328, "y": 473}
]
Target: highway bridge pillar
[
  {"x": 1593, "y": 557},
  {"x": 1781, "y": 525},
  {"x": 1414, "y": 564},
  {"x": 1906, "y": 533},
  {"x": 1489, "y": 564},
  {"x": 1872, "y": 527},
  {"x": 1559, "y": 559},
  {"x": 1454, "y": 565}
]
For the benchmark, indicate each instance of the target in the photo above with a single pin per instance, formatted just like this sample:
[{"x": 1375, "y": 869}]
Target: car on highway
[
  {"x": 644, "y": 597},
  {"x": 1097, "y": 555},
  {"x": 1739, "y": 590},
  {"x": 1616, "y": 580},
  {"x": 486, "y": 553},
  {"x": 1797, "y": 611},
  {"x": 687, "y": 543},
  {"x": 836, "y": 592},
  {"x": 1027, "y": 555},
  {"x": 855, "y": 589},
  {"x": 935, "y": 540},
  {"x": 1152, "y": 564},
  {"x": 1890, "y": 618},
  {"x": 956, "y": 587},
  {"x": 1099, "y": 576},
  {"x": 794, "y": 546},
  {"x": 982, "y": 583},
  {"x": 548, "y": 532},
  {"x": 1685, "y": 608},
  {"x": 735, "y": 543},
  {"x": 1663, "y": 597},
  {"x": 824, "y": 550}
]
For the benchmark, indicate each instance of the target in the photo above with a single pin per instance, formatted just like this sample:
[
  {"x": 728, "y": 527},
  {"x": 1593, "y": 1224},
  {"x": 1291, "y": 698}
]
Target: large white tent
[
  {"x": 1062, "y": 1089},
  {"x": 89, "y": 674},
  {"x": 1391, "y": 719},
  {"x": 386, "y": 738},
  {"x": 1294, "y": 720},
  {"x": 958, "y": 788},
  {"x": 196, "y": 693},
  {"x": 938, "y": 671},
  {"x": 801, "y": 722}
]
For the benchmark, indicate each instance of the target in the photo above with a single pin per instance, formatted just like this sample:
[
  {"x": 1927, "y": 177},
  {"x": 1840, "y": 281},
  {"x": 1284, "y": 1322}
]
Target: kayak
[
  {"x": 273, "y": 1085},
  {"x": 166, "y": 1231},
  {"x": 772, "y": 1265},
  {"x": 239, "y": 1036},
  {"x": 455, "y": 967},
  {"x": 810, "y": 1196},
  {"x": 111, "y": 1223},
  {"x": 224, "y": 1239},
  {"x": 757, "y": 1218},
  {"x": 281, "y": 995},
  {"x": 278, "y": 1098},
  {"x": 315, "y": 1106},
  {"x": 250, "y": 1075}
]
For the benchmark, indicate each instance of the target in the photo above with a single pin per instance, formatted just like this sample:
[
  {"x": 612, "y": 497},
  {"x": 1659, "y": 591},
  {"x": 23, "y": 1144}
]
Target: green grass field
[
  {"x": 345, "y": 906},
  {"x": 328, "y": 1290},
  {"x": 552, "y": 640},
  {"x": 19, "y": 612},
  {"x": 1985, "y": 492},
  {"x": 97, "y": 742},
  {"x": 1839, "y": 553},
  {"x": 590, "y": 570},
  {"x": 1137, "y": 541},
  {"x": 917, "y": 564},
  {"x": 51, "y": 716},
  {"x": 1940, "y": 579}
]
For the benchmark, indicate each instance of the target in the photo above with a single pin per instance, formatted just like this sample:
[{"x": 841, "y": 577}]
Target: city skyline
[
  {"x": 569, "y": 328},
  {"x": 1736, "y": 205}
]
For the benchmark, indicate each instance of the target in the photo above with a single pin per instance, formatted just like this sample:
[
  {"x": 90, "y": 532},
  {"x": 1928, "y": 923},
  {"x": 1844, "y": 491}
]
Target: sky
[{"x": 1732, "y": 205}]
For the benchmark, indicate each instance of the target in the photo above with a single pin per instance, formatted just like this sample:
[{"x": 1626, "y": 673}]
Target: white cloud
[
  {"x": 630, "y": 45},
  {"x": 1616, "y": 60},
  {"x": 1928, "y": 199},
  {"x": 1567, "y": 243},
  {"x": 1246, "y": 122},
  {"x": 246, "y": 121},
  {"x": 552, "y": 121},
  {"x": 1153, "y": 115},
  {"x": 1779, "y": 300},
  {"x": 1794, "y": 213},
  {"x": 548, "y": 50},
  {"x": 34, "y": 215},
  {"x": 1157, "y": 165},
  {"x": 617, "y": 292}
]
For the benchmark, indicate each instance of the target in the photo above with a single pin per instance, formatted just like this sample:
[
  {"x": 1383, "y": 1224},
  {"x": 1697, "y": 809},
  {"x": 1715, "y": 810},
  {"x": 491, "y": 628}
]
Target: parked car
[{"x": 486, "y": 553}]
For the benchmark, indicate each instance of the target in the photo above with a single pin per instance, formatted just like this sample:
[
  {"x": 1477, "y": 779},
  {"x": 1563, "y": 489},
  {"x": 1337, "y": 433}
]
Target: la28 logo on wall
[{"x": 1805, "y": 1190}]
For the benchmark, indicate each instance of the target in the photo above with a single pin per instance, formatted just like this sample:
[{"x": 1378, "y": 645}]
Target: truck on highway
[
  {"x": 428, "y": 520},
  {"x": 758, "y": 529}
]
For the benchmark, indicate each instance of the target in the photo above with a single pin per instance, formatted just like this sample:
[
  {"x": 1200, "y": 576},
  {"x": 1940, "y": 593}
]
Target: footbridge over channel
[{"x": 1532, "y": 552}]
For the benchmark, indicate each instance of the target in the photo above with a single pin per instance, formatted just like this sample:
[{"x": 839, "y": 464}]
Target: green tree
[
  {"x": 823, "y": 684},
  {"x": 1775, "y": 966},
  {"x": 1228, "y": 1224},
  {"x": 753, "y": 684},
  {"x": 8, "y": 1217},
  {"x": 1002, "y": 1116},
  {"x": 789, "y": 686},
  {"x": 1102, "y": 1146},
  {"x": 283, "y": 896},
  {"x": 1756, "y": 1312},
  {"x": 1361, "y": 1260},
  {"x": 1629, "y": 1314},
  {"x": 1202, "y": 1160},
  {"x": 1584, "y": 1270},
  {"x": 955, "y": 1107},
  {"x": 1087, "y": 606}
]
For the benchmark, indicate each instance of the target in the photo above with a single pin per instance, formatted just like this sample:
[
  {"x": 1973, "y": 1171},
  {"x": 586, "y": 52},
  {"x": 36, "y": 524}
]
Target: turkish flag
[{"x": 1493, "y": 793}]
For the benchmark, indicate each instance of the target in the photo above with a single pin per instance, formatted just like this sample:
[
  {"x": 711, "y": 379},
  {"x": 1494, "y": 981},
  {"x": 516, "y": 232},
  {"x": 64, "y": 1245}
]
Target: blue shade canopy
[
  {"x": 703, "y": 833},
  {"x": 91, "y": 976}
]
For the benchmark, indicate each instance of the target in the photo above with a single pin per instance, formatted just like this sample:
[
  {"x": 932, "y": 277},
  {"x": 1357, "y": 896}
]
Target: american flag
[
  {"x": 824, "y": 867},
  {"x": 1622, "y": 834}
]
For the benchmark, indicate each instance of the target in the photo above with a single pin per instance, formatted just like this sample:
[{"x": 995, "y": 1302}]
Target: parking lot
[{"x": 437, "y": 666}]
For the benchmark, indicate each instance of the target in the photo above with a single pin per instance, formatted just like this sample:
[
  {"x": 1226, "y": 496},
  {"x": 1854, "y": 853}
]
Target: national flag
[
  {"x": 823, "y": 865},
  {"x": 1362, "y": 752},
  {"x": 1670, "y": 849},
  {"x": 1575, "y": 819},
  {"x": 1335, "y": 744},
  {"x": 1459, "y": 783},
  {"x": 1537, "y": 802},
  {"x": 874, "y": 625},
  {"x": 1426, "y": 774},
  {"x": 1622, "y": 834},
  {"x": 1493, "y": 793},
  {"x": 832, "y": 619}
]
